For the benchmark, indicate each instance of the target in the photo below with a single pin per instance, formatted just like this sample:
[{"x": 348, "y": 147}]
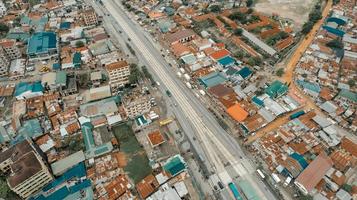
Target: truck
[
  {"x": 182, "y": 70},
  {"x": 203, "y": 93},
  {"x": 235, "y": 191},
  {"x": 188, "y": 84},
  {"x": 287, "y": 181},
  {"x": 168, "y": 93},
  {"x": 187, "y": 77},
  {"x": 297, "y": 114},
  {"x": 179, "y": 74}
]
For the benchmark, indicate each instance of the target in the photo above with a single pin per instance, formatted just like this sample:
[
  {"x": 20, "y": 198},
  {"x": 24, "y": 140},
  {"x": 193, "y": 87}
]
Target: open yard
[
  {"x": 137, "y": 165},
  {"x": 296, "y": 10}
]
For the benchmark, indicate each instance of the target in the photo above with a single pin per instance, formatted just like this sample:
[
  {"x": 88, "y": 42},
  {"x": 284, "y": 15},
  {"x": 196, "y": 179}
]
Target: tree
[
  {"x": 3, "y": 28},
  {"x": 135, "y": 74},
  {"x": 351, "y": 82},
  {"x": 238, "y": 32},
  {"x": 307, "y": 27},
  {"x": 239, "y": 54},
  {"x": 237, "y": 16},
  {"x": 79, "y": 44},
  {"x": 335, "y": 43},
  {"x": 250, "y": 3},
  {"x": 215, "y": 8},
  {"x": 347, "y": 187},
  {"x": 254, "y": 61},
  {"x": 280, "y": 72},
  {"x": 250, "y": 11}
]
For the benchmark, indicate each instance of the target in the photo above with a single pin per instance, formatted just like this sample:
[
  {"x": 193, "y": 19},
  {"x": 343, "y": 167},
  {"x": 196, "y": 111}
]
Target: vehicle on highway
[
  {"x": 168, "y": 93},
  {"x": 234, "y": 190},
  {"x": 261, "y": 174}
]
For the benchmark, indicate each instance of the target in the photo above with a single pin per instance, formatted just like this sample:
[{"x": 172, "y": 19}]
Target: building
[
  {"x": 28, "y": 169},
  {"x": 3, "y": 10},
  {"x": 118, "y": 74},
  {"x": 17, "y": 69},
  {"x": 10, "y": 48},
  {"x": 180, "y": 36},
  {"x": 313, "y": 174},
  {"x": 25, "y": 90},
  {"x": 42, "y": 45},
  {"x": 4, "y": 63},
  {"x": 90, "y": 17},
  {"x": 61, "y": 166},
  {"x": 137, "y": 106}
]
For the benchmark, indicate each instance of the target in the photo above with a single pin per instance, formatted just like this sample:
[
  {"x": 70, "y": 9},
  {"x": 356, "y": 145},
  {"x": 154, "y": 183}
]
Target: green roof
[
  {"x": 175, "y": 165},
  {"x": 276, "y": 89},
  {"x": 352, "y": 96},
  {"x": 77, "y": 59},
  {"x": 42, "y": 42},
  {"x": 212, "y": 79},
  {"x": 61, "y": 78}
]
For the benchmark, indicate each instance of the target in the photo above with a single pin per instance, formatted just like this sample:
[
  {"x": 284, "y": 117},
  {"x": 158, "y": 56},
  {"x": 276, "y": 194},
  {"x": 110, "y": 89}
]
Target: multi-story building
[
  {"x": 11, "y": 49},
  {"x": 137, "y": 106},
  {"x": 27, "y": 167},
  {"x": 4, "y": 63},
  {"x": 42, "y": 46},
  {"x": 118, "y": 74},
  {"x": 3, "y": 9},
  {"x": 90, "y": 17}
]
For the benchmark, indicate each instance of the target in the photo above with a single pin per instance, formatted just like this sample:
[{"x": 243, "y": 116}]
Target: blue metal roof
[
  {"x": 65, "y": 25},
  {"x": 310, "y": 86},
  {"x": 258, "y": 101},
  {"x": 300, "y": 159},
  {"x": 245, "y": 72},
  {"x": 226, "y": 61},
  {"x": 24, "y": 87},
  {"x": 42, "y": 42}
]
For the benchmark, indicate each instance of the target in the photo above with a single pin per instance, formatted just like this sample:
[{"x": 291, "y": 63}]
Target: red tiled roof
[{"x": 220, "y": 54}]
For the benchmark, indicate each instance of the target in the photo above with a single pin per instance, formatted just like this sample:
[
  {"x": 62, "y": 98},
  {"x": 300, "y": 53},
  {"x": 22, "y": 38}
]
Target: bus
[
  {"x": 261, "y": 174},
  {"x": 234, "y": 190},
  {"x": 165, "y": 121}
]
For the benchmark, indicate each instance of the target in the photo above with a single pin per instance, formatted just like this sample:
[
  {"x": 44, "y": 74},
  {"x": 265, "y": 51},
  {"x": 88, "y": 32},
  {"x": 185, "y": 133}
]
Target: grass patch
[{"x": 137, "y": 162}]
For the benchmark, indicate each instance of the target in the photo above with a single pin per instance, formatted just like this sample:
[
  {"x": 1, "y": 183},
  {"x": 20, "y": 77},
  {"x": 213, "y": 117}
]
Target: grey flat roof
[
  {"x": 258, "y": 42},
  {"x": 64, "y": 164}
]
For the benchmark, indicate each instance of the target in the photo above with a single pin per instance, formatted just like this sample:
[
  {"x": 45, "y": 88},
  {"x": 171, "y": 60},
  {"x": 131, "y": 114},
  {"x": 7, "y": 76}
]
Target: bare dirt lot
[{"x": 296, "y": 10}]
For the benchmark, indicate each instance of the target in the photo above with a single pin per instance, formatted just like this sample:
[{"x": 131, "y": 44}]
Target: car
[{"x": 168, "y": 93}]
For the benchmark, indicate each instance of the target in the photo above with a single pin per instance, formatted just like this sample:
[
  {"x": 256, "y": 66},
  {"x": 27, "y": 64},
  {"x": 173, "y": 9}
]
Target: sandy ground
[
  {"x": 121, "y": 158},
  {"x": 296, "y": 10}
]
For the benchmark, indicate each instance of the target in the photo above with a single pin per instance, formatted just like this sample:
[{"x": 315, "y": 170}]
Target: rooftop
[{"x": 42, "y": 42}]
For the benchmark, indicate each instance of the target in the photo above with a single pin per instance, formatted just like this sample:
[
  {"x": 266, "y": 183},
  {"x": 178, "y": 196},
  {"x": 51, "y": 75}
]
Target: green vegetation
[
  {"x": 351, "y": 82},
  {"x": 250, "y": 3},
  {"x": 254, "y": 61},
  {"x": 132, "y": 51},
  {"x": 79, "y": 44},
  {"x": 3, "y": 29},
  {"x": 5, "y": 192},
  {"x": 238, "y": 16},
  {"x": 135, "y": 74},
  {"x": 238, "y": 32},
  {"x": 275, "y": 38},
  {"x": 280, "y": 72},
  {"x": 347, "y": 187},
  {"x": 148, "y": 75},
  {"x": 138, "y": 164},
  {"x": 336, "y": 2},
  {"x": 335, "y": 43},
  {"x": 305, "y": 197},
  {"x": 215, "y": 8},
  {"x": 314, "y": 16}
]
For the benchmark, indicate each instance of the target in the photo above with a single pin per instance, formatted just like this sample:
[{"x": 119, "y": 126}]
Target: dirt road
[{"x": 289, "y": 78}]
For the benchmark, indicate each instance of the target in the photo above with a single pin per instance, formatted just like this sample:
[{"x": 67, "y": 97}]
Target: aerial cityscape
[{"x": 178, "y": 99}]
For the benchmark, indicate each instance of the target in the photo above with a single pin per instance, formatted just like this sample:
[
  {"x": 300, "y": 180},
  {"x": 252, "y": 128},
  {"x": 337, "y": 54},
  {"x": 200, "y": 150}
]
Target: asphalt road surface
[{"x": 215, "y": 145}]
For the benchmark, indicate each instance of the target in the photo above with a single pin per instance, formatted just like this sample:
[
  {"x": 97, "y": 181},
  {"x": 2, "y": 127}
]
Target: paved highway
[{"x": 220, "y": 148}]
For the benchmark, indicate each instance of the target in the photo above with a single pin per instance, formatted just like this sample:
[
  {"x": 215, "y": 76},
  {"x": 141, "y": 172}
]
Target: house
[
  {"x": 237, "y": 113},
  {"x": 28, "y": 169},
  {"x": 11, "y": 49},
  {"x": 119, "y": 73},
  {"x": 155, "y": 138},
  {"x": 180, "y": 36},
  {"x": 313, "y": 174},
  {"x": 28, "y": 90},
  {"x": 4, "y": 62},
  {"x": 42, "y": 45},
  {"x": 90, "y": 17}
]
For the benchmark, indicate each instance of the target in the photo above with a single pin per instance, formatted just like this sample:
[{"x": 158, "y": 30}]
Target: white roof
[
  {"x": 114, "y": 119},
  {"x": 181, "y": 188}
]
